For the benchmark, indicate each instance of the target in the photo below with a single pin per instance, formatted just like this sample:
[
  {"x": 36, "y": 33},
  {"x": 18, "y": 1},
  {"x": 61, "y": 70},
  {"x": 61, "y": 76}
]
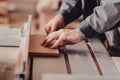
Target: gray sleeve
[
  {"x": 71, "y": 10},
  {"x": 103, "y": 19}
]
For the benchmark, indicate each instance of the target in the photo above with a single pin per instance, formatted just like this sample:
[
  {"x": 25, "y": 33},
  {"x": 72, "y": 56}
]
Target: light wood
[
  {"x": 10, "y": 37},
  {"x": 77, "y": 77},
  {"x": 116, "y": 61},
  {"x": 8, "y": 60},
  {"x": 37, "y": 49},
  {"x": 103, "y": 58},
  {"x": 80, "y": 59},
  {"x": 13, "y": 60}
]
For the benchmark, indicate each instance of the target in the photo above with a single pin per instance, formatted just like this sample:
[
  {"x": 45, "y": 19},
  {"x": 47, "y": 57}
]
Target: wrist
[{"x": 81, "y": 35}]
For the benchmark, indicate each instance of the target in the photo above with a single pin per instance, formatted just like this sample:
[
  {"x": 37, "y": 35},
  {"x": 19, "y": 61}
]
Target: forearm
[
  {"x": 103, "y": 19},
  {"x": 70, "y": 10}
]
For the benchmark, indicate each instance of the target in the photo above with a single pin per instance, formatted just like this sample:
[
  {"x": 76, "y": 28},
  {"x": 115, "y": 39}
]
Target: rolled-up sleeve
[{"x": 103, "y": 19}]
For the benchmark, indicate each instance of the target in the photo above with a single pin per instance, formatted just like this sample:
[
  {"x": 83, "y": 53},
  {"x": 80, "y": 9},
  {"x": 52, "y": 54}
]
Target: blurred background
[{"x": 14, "y": 12}]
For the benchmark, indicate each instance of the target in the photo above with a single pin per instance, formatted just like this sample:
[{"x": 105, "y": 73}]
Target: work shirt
[{"x": 103, "y": 18}]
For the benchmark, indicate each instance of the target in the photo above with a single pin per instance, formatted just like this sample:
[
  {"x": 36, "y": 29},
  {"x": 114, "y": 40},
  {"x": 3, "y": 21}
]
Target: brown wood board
[
  {"x": 36, "y": 48},
  {"x": 48, "y": 65}
]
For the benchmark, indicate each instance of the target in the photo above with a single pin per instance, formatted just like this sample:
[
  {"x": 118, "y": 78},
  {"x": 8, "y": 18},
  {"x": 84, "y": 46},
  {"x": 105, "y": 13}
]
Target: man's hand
[
  {"x": 56, "y": 23},
  {"x": 61, "y": 37}
]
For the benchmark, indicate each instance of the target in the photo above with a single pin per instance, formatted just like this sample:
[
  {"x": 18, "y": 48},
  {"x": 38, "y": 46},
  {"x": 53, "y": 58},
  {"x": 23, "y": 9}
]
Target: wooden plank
[
  {"x": 21, "y": 71},
  {"x": 77, "y": 77},
  {"x": 52, "y": 65},
  {"x": 80, "y": 59},
  {"x": 8, "y": 60},
  {"x": 8, "y": 54},
  {"x": 13, "y": 60},
  {"x": 10, "y": 37},
  {"x": 103, "y": 58},
  {"x": 36, "y": 48},
  {"x": 116, "y": 61}
]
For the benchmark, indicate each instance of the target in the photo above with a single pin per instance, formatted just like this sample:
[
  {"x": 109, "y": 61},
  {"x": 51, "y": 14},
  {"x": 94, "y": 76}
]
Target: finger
[
  {"x": 48, "y": 41},
  {"x": 51, "y": 43},
  {"x": 47, "y": 29},
  {"x": 57, "y": 43},
  {"x": 52, "y": 28},
  {"x": 50, "y": 38},
  {"x": 43, "y": 42}
]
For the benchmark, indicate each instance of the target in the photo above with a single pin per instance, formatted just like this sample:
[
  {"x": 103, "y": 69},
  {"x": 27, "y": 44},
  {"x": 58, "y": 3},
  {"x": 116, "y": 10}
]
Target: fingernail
[{"x": 43, "y": 42}]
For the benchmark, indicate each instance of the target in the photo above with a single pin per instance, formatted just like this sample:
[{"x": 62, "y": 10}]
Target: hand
[
  {"x": 61, "y": 37},
  {"x": 56, "y": 23}
]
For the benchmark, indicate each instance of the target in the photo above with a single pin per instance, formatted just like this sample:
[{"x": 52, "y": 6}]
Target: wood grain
[
  {"x": 103, "y": 58},
  {"x": 37, "y": 49},
  {"x": 50, "y": 65},
  {"x": 10, "y": 37},
  {"x": 116, "y": 61},
  {"x": 77, "y": 77},
  {"x": 8, "y": 60},
  {"x": 80, "y": 59}
]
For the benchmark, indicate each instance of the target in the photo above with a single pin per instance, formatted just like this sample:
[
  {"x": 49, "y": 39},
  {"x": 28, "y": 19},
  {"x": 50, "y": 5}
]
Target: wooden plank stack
[{"x": 13, "y": 59}]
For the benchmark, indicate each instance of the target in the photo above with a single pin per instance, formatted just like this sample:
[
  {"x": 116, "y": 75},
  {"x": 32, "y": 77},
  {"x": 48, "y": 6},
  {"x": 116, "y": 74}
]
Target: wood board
[
  {"x": 36, "y": 48},
  {"x": 77, "y": 77},
  {"x": 116, "y": 61},
  {"x": 80, "y": 58},
  {"x": 48, "y": 65},
  {"x": 103, "y": 58},
  {"x": 10, "y": 37},
  {"x": 8, "y": 61}
]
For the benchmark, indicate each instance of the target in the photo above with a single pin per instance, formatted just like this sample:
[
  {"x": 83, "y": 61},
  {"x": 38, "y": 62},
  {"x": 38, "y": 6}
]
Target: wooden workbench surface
[{"x": 77, "y": 59}]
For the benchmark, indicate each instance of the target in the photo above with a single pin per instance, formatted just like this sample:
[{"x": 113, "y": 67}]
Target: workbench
[
  {"x": 14, "y": 44},
  {"x": 82, "y": 59}
]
